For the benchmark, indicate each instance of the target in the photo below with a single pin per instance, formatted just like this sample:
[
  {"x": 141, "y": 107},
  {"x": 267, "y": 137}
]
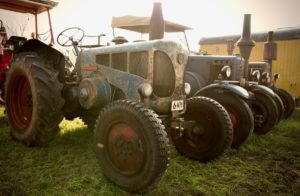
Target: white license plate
[{"x": 177, "y": 105}]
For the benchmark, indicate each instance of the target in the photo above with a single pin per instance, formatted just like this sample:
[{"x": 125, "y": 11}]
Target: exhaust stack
[
  {"x": 246, "y": 43},
  {"x": 270, "y": 50},
  {"x": 230, "y": 47},
  {"x": 157, "y": 23}
]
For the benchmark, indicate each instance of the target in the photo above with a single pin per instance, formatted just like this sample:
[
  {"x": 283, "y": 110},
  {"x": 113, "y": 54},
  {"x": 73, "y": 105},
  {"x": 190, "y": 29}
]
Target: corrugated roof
[
  {"x": 27, "y": 6},
  {"x": 279, "y": 34}
]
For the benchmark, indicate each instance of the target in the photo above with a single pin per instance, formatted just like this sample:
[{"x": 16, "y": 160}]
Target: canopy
[
  {"x": 27, "y": 6},
  {"x": 141, "y": 24}
]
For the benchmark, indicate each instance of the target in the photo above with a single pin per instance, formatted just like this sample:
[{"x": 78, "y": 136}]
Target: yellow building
[{"x": 288, "y": 54}]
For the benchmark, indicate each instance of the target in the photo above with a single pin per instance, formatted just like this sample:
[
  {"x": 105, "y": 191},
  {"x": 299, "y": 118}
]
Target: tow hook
[
  {"x": 179, "y": 125},
  {"x": 258, "y": 120}
]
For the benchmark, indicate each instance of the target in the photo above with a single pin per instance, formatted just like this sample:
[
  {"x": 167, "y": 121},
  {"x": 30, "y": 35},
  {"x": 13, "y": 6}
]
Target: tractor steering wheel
[{"x": 69, "y": 36}]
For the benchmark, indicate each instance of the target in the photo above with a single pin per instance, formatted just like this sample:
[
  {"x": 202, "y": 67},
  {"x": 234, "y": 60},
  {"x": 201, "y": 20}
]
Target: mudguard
[
  {"x": 261, "y": 89},
  {"x": 47, "y": 52},
  {"x": 222, "y": 88},
  {"x": 195, "y": 80}
]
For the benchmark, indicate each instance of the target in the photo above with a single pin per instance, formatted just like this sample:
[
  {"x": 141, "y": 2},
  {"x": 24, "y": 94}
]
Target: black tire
[
  {"x": 240, "y": 114},
  {"x": 280, "y": 106},
  {"x": 131, "y": 145},
  {"x": 89, "y": 117},
  {"x": 265, "y": 112},
  {"x": 33, "y": 100},
  {"x": 288, "y": 102},
  {"x": 210, "y": 136}
]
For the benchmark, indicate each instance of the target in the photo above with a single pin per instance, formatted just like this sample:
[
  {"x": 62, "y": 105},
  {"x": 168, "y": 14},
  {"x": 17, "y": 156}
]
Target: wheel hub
[
  {"x": 125, "y": 148},
  {"x": 20, "y": 101}
]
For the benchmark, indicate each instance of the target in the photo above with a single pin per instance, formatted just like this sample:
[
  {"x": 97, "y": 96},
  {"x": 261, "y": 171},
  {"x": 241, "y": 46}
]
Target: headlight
[
  {"x": 145, "y": 89},
  {"x": 255, "y": 75},
  {"x": 265, "y": 75},
  {"x": 226, "y": 72},
  {"x": 187, "y": 88},
  {"x": 276, "y": 76}
]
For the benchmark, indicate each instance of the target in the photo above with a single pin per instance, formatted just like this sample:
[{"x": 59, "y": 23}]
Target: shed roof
[
  {"x": 141, "y": 24},
  {"x": 27, "y": 6},
  {"x": 290, "y": 33}
]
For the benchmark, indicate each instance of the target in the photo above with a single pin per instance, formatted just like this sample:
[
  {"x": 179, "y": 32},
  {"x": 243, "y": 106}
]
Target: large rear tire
[
  {"x": 131, "y": 145},
  {"x": 240, "y": 114},
  {"x": 265, "y": 112},
  {"x": 211, "y": 134},
  {"x": 33, "y": 100}
]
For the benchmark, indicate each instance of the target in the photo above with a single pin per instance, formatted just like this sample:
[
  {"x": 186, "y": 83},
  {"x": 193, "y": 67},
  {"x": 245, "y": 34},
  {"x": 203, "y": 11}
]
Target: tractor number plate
[{"x": 177, "y": 105}]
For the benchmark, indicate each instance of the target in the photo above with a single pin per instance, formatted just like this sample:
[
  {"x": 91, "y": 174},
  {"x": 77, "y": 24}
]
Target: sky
[{"x": 206, "y": 17}]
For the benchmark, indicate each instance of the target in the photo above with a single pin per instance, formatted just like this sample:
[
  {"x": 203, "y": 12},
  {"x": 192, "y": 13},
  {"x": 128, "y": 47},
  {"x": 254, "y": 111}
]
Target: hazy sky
[{"x": 206, "y": 17}]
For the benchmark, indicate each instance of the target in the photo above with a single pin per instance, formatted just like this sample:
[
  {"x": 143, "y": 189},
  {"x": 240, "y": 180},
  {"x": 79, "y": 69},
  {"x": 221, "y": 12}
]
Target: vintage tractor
[
  {"x": 232, "y": 97},
  {"x": 253, "y": 76},
  {"x": 130, "y": 94},
  {"x": 264, "y": 77}
]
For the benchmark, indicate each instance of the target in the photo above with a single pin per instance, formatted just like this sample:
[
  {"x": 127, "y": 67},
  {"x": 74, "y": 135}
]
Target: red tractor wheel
[
  {"x": 131, "y": 145},
  {"x": 33, "y": 100},
  {"x": 240, "y": 114}
]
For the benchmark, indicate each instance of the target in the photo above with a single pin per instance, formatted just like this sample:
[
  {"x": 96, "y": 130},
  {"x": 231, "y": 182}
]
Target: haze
[{"x": 207, "y": 18}]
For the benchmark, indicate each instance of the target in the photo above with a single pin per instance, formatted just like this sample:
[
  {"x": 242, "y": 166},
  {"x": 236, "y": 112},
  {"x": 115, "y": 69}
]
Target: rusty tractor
[
  {"x": 269, "y": 104},
  {"x": 129, "y": 94},
  {"x": 251, "y": 106},
  {"x": 234, "y": 98}
]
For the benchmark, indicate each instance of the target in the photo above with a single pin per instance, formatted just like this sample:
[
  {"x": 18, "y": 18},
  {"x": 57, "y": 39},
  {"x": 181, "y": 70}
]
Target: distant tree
[{"x": 17, "y": 29}]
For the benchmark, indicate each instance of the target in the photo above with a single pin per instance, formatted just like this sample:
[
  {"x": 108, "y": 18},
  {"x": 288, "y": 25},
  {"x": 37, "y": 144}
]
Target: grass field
[{"x": 264, "y": 165}]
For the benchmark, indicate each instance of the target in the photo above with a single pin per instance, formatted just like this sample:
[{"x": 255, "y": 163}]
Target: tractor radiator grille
[
  {"x": 214, "y": 72},
  {"x": 163, "y": 75}
]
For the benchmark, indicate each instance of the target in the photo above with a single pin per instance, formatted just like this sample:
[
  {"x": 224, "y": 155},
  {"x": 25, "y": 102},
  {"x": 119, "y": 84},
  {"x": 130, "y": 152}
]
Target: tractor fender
[
  {"x": 195, "y": 80},
  {"x": 223, "y": 88},
  {"x": 45, "y": 51},
  {"x": 261, "y": 89}
]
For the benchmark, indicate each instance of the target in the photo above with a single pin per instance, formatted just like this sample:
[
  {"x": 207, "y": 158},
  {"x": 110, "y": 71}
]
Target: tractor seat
[{"x": 119, "y": 40}]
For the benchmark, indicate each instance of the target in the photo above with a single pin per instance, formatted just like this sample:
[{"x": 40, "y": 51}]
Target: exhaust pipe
[
  {"x": 230, "y": 47},
  {"x": 157, "y": 23},
  {"x": 246, "y": 43},
  {"x": 270, "y": 50}
]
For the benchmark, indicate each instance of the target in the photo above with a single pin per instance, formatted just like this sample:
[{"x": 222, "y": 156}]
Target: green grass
[{"x": 264, "y": 165}]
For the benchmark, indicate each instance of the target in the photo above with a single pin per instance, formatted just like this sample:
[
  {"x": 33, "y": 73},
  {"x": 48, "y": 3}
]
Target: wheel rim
[
  {"x": 19, "y": 101},
  {"x": 203, "y": 134},
  {"x": 125, "y": 149},
  {"x": 234, "y": 117}
]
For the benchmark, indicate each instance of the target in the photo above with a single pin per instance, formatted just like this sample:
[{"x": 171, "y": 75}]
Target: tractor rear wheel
[
  {"x": 265, "y": 113},
  {"x": 131, "y": 145},
  {"x": 240, "y": 114},
  {"x": 33, "y": 100},
  {"x": 211, "y": 133},
  {"x": 288, "y": 102}
]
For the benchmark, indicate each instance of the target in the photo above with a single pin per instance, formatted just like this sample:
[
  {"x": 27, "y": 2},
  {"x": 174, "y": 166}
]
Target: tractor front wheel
[
  {"x": 288, "y": 102},
  {"x": 33, "y": 100},
  {"x": 211, "y": 134},
  {"x": 265, "y": 112},
  {"x": 240, "y": 114},
  {"x": 131, "y": 145}
]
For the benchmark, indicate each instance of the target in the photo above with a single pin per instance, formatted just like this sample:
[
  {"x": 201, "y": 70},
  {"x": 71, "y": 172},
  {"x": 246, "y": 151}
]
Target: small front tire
[
  {"x": 211, "y": 134},
  {"x": 131, "y": 145}
]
